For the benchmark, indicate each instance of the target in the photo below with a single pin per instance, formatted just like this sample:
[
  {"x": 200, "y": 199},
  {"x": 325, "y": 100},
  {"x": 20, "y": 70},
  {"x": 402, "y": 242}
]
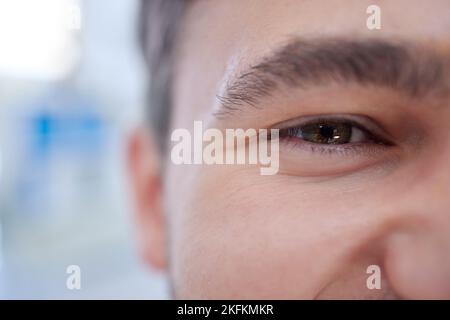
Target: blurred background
[{"x": 72, "y": 84}]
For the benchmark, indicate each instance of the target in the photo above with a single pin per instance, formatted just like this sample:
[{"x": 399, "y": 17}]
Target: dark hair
[{"x": 158, "y": 29}]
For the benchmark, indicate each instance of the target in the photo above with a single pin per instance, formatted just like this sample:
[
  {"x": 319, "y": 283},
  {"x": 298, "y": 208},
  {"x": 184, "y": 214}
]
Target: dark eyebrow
[{"x": 410, "y": 69}]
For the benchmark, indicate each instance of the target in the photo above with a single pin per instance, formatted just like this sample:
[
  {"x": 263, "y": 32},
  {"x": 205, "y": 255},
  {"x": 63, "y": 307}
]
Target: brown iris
[{"x": 328, "y": 132}]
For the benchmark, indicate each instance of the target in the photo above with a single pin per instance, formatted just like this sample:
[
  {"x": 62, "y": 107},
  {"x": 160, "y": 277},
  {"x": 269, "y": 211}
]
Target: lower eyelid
[
  {"x": 306, "y": 159},
  {"x": 367, "y": 148}
]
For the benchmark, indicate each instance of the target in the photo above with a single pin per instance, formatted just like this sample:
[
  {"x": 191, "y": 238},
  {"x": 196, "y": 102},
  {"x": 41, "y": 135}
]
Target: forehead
[
  {"x": 221, "y": 37},
  {"x": 255, "y": 20}
]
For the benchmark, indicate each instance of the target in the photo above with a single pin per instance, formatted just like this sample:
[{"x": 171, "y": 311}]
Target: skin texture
[{"x": 312, "y": 230}]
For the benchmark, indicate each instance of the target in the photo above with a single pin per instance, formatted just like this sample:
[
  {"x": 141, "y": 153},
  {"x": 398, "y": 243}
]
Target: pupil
[{"x": 327, "y": 132}]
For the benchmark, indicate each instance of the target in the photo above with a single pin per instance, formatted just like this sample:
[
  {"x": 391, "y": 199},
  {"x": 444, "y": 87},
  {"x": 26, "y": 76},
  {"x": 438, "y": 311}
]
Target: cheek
[{"x": 236, "y": 234}]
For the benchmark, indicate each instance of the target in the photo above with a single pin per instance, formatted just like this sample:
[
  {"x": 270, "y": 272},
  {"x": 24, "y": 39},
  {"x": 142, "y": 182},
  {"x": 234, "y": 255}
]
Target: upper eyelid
[{"x": 302, "y": 120}]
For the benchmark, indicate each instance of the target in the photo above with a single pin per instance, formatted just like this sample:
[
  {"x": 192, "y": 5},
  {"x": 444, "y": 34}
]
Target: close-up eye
[
  {"x": 334, "y": 131},
  {"x": 333, "y": 144},
  {"x": 327, "y": 132}
]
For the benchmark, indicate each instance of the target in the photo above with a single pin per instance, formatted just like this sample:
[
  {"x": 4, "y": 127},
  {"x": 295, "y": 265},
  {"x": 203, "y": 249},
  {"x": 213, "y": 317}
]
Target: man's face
[{"x": 381, "y": 197}]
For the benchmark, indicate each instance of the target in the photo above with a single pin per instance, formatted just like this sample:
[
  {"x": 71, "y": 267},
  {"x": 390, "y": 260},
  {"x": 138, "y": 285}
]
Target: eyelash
[{"x": 375, "y": 141}]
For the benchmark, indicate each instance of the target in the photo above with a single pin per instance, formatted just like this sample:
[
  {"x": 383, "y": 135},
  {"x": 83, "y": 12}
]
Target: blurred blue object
[
  {"x": 74, "y": 125},
  {"x": 64, "y": 197},
  {"x": 65, "y": 141}
]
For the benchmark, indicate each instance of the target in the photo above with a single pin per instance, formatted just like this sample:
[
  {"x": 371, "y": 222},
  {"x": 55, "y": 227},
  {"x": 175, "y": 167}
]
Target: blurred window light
[{"x": 37, "y": 38}]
